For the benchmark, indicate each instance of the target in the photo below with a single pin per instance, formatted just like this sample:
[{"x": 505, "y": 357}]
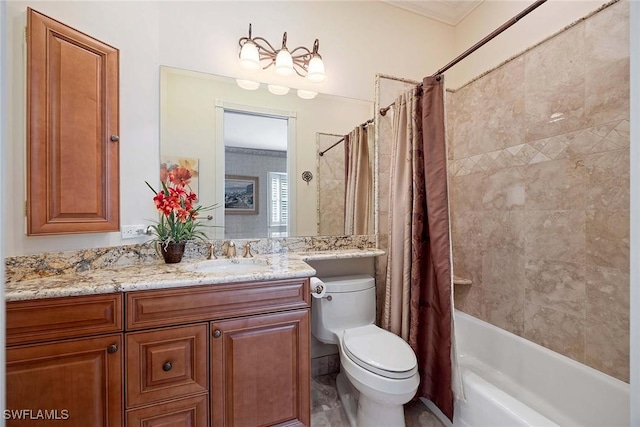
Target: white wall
[
  {"x": 544, "y": 21},
  {"x": 357, "y": 40},
  {"x": 133, "y": 28},
  {"x": 635, "y": 214}
]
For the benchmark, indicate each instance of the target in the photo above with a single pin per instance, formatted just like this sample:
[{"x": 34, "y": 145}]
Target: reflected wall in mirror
[{"x": 225, "y": 128}]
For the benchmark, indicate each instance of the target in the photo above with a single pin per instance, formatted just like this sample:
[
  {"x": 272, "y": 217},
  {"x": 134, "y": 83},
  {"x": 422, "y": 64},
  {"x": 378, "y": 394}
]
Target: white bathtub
[{"x": 511, "y": 382}]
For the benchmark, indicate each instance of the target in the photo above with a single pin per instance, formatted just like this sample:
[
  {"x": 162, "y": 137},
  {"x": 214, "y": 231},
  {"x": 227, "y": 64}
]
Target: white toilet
[{"x": 378, "y": 370}]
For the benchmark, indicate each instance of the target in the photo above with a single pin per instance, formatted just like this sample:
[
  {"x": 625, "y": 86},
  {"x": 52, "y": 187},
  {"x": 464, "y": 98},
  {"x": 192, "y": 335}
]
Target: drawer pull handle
[
  {"x": 112, "y": 349},
  {"x": 167, "y": 367},
  {"x": 217, "y": 333}
]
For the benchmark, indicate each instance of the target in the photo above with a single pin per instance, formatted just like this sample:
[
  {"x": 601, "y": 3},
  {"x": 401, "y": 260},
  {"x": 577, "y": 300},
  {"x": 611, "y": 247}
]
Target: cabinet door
[
  {"x": 72, "y": 130},
  {"x": 78, "y": 382},
  {"x": 260, "y": 370}
]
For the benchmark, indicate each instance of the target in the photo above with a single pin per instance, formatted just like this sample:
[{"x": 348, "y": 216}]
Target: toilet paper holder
[{"x": 318, "y": 289}]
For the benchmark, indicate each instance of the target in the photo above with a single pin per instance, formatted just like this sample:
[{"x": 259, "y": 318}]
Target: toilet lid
[{"x": 379, "y": 351}]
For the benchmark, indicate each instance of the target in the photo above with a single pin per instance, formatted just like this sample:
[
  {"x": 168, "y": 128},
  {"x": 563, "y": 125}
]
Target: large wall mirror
[{"x": 246, "y": 152}]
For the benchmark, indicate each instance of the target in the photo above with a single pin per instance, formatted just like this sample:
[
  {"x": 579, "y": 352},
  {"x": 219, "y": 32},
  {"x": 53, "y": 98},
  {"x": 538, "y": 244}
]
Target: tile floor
[{"x": 326, "y": 409}]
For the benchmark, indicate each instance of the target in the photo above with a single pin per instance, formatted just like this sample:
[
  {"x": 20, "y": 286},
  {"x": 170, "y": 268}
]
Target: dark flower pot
[{"x": 172, "y": 252}]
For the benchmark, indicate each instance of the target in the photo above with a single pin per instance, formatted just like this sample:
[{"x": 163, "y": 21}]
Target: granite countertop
[{"x": 158, "y": 275}]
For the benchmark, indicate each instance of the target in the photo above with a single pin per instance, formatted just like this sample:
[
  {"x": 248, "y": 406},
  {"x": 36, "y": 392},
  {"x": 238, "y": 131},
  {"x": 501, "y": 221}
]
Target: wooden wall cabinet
[
  {"x": 219, "y": 355},
  {"x": 72, "y": 130}
]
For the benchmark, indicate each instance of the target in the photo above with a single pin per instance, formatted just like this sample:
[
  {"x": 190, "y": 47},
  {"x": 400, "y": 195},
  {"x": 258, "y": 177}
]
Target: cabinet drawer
[
  {"x": 189, "y": 412},
  {"x": 56, "y": 318},
  {"x": 184, "y": 305},
  {"x": 165, "y": 364}
]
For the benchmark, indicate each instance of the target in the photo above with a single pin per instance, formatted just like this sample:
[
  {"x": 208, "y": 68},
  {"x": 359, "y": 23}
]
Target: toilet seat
[{"x": 380, "y": 352}]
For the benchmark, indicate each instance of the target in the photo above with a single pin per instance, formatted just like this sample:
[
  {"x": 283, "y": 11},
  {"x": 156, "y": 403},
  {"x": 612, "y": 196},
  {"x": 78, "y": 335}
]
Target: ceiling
[
  {"x": 448, "y": 11},
  {"x": 254, "y": 131}
]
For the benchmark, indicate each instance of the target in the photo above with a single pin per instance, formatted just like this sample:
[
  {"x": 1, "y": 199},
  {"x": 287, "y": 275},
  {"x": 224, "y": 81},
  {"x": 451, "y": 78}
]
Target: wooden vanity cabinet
[
  {"x": 257, "y": 360},
  {"x": 215, "y": 355},
  {"x": 50, "y": 369}
]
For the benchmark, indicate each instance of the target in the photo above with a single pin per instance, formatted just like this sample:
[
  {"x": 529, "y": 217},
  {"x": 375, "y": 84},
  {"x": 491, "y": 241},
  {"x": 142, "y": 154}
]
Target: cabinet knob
[
  {"x": 217, "y": 333},
  {"x": 167, "y": 366},
  {"x": 115, "y": 138},
  {"x": 112, "y": 348}
]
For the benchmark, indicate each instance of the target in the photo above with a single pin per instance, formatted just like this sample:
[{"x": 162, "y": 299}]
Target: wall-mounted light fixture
[{"x": 257, "y": 52}]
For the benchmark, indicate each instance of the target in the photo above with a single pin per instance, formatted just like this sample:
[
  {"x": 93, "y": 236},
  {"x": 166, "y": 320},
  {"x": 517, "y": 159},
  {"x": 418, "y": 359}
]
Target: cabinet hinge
[
  {"x": 26, "y": 208},
  {"x": 26, "y": 34}
]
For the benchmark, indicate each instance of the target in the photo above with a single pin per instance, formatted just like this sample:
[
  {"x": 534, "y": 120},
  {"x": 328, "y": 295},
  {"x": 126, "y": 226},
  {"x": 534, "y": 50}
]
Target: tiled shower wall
[
  {"x": 331, "y": 183},
  {"x": 539, "y": 187}
]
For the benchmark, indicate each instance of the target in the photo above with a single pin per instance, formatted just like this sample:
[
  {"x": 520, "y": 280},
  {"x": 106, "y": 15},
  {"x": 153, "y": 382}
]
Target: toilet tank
[{"x": 350, "y": 301}]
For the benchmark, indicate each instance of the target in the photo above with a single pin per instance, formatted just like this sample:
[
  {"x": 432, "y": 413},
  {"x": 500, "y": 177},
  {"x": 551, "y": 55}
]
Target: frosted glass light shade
[
  {"x": 249, "y": 56},
  {"x": 307, "y": 94},
  {"x": 278, "y": 90},
  {"x": 248, "y": 84},
  {"x": 315, "y": 70},
  {"x": 284, "y": 63}
]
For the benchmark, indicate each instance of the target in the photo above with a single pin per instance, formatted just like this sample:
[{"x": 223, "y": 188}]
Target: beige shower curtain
[
  {"x": 417, "y": 303},
  {"x": 358, "y": 183}
]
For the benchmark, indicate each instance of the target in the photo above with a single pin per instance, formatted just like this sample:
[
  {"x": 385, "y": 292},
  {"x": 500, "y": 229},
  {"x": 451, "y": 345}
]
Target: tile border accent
[{"x": 597, "y": 139}]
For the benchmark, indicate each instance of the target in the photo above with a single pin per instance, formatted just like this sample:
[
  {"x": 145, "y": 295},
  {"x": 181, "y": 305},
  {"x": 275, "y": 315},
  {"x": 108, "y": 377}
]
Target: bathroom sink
[{"x": 228, "y": 265}]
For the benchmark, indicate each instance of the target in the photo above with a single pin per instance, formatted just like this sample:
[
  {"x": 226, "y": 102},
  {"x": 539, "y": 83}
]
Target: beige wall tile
[
  {"x": 450, "y": 113},
  {"x": 607, "y": 239},
  {"x": 505, "y": 310},
  {"x": 503, "y": 269},
  {"x": 607, "y": 183},
  {"x": 504, "y": 230},
  {"x": 504, "y": 189},
  {"x": 466, "y": 192},
  {"x": 554, "y": 108},
  {"x": 555, "y": 185},
  {"x": 605, "y": 51},
  {"x": 467, "y": 228},
  {"x": 559, "y": 285},
  {"x": 607, "y": 94},
  {"x": 555, "y": 235},
  {"x": 562, "y": 57},
  {"x": 607, "y": 316},
  {"x": 467, "y": 263},
  {"x": 558, "y": 331},
  {"x": 468, "y": 298}
]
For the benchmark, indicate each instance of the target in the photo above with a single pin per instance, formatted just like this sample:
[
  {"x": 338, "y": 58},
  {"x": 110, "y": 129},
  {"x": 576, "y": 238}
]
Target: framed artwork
[
  {"x": 241, "y": 194},
  {"x": 184, "y": 171}
]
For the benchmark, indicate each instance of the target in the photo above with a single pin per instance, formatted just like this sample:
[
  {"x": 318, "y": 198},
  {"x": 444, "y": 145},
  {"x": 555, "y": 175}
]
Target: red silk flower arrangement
[{"x": 178, "y": 213}]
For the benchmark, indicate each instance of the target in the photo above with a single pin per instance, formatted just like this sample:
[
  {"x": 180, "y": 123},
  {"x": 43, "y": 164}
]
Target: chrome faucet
[{"x": 231, "y": 249}]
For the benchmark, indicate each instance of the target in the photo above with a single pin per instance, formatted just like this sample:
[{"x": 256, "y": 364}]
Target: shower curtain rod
[
  {"x": 365, "y": 124},
  {"x": 485, "y": 40}
]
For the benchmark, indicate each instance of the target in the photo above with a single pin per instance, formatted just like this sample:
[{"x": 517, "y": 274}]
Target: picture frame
[
  {"x": 241, "y": 194},
  {"x": 185, "y": 169}
]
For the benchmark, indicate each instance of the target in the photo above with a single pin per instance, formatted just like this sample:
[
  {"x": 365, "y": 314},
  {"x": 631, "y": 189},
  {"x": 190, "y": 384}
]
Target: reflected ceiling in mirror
[{"x": 192, "y": 110}]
